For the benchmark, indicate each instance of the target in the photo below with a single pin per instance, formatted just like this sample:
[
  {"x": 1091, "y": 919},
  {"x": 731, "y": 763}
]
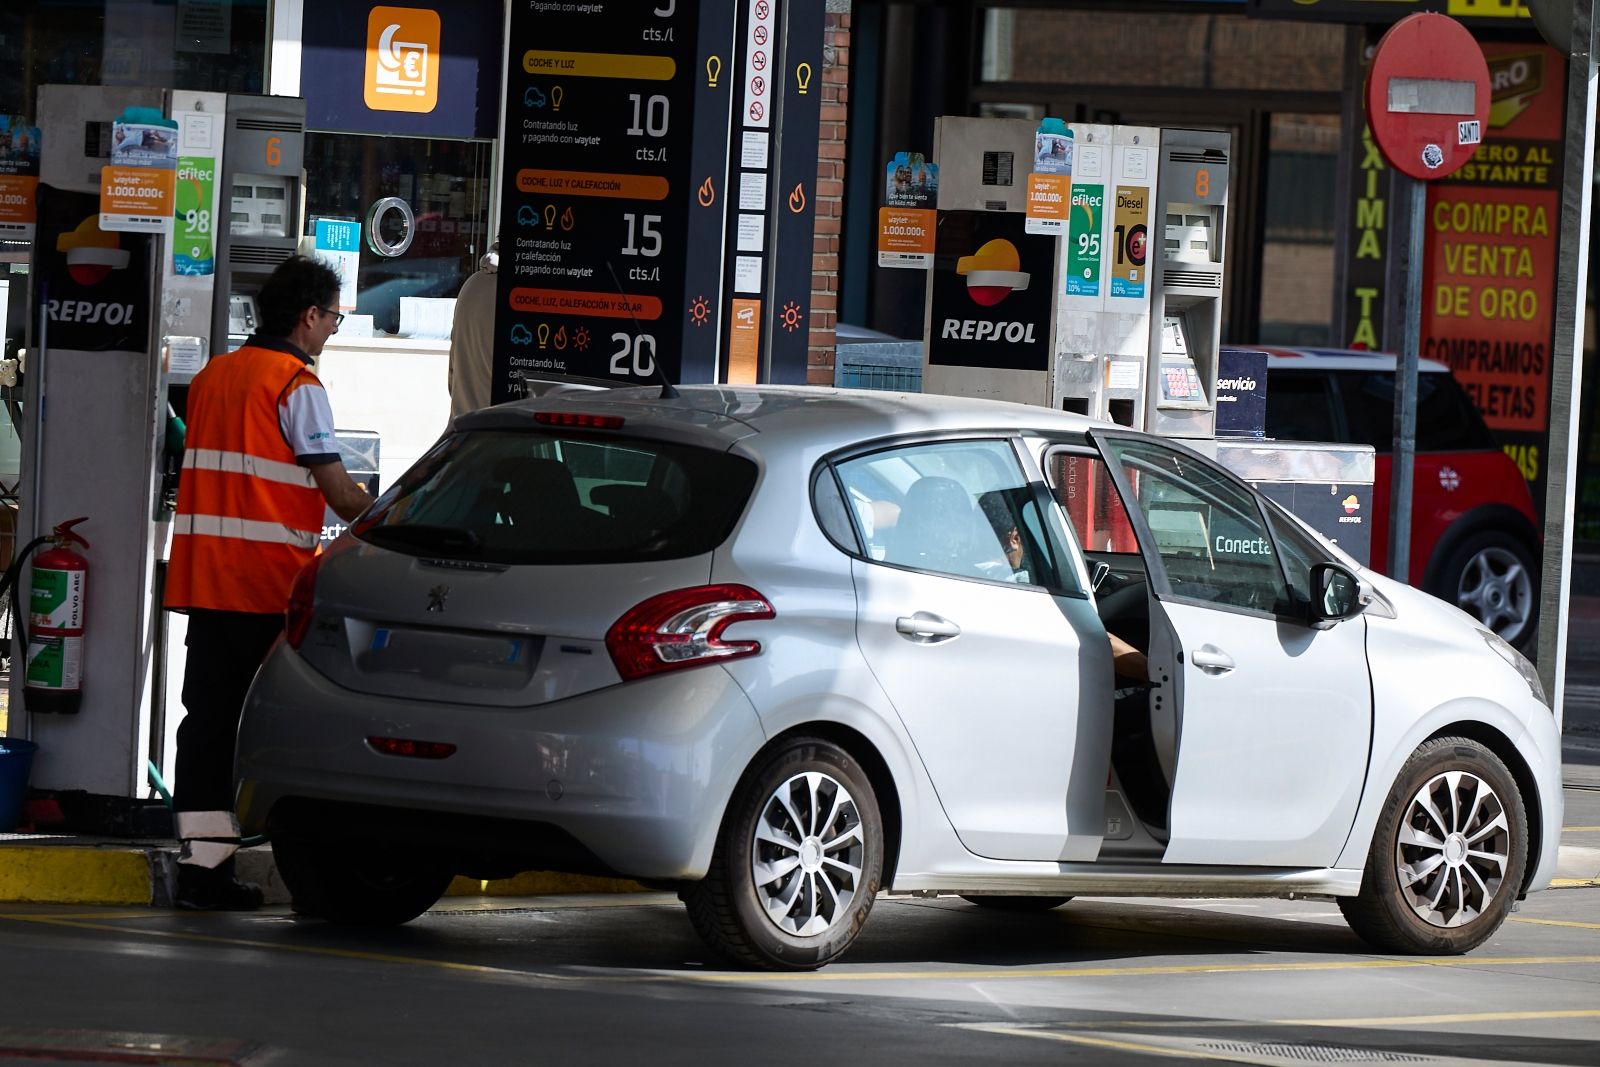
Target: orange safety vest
[{"x": 249, "y": 516}]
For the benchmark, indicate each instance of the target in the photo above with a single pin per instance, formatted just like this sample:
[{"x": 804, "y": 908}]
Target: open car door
[{"x": 1274, "y": 715}]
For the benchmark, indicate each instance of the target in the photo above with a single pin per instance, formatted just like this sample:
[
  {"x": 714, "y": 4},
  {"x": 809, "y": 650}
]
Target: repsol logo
[
  {"x": 1237, "y": 385},
  {"x": 88, "y": 311},
  {"x": 984, "y": 330}
]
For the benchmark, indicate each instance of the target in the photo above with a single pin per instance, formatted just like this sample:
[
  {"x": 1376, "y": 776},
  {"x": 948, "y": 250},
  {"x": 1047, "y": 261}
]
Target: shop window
[
  {"x": 1164, "y": 49},
  {"x": 1297, "y": 255},
  {"x": 445, "y": 183},
  {"x": 218, "y": 46}
]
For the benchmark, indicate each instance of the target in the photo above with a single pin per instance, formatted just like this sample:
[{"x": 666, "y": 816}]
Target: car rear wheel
[
  {"x": 1492, "y": 577},
  {"x": 1448, "y": 854},
  {"x": 1019, "y": 904},
  {"x": 797, "y": 864},
  {"x": 359, "y": 884}
]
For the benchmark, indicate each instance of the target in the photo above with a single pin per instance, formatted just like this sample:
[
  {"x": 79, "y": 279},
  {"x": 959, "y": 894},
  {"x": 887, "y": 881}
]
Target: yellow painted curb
[
  {"x": 538, "y": 883},
  {"x": 74, "y": 876}
]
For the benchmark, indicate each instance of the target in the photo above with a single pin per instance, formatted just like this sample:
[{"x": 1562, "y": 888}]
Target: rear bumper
[{"x": 631, "y": 780}]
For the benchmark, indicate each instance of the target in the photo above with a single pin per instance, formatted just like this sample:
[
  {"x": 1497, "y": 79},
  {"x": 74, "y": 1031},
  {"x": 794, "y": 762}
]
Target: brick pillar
[{"x": 830, "y": 192}]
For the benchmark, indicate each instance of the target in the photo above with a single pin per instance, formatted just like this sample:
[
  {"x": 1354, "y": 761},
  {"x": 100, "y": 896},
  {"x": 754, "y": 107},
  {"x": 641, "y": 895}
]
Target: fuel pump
[{"x": 119, "y": 322}]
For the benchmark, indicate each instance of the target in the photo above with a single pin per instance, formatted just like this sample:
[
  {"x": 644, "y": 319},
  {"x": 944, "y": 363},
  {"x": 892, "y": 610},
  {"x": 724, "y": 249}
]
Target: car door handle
[
  {"x": 926, "y": 627},
  {"x": 1211, "y": 659}
]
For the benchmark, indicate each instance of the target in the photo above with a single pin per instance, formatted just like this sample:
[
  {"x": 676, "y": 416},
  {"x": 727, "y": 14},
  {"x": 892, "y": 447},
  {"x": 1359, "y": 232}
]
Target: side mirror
[
  {"x": 1098, "y": 575},
  {"x": 1336, "y": 594}
]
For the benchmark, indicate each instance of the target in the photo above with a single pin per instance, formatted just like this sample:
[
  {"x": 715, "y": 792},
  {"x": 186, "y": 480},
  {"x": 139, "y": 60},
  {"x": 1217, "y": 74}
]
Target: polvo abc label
[{"x": 57, "y": 602}]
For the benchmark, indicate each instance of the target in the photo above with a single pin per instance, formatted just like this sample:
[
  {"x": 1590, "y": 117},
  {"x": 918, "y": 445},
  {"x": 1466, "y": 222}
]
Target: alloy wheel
[
  {"x": 1496, "y": 588},
  {"x": 1453, "y": 849},
  {"x": 808, "y": 853}
]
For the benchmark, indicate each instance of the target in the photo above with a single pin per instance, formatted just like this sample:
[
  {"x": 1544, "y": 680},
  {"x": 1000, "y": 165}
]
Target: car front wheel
[
  {"x": 797, "y": 863},
  {"x": 1448, "y": 854},
  {"x": 357, "y": 884}
]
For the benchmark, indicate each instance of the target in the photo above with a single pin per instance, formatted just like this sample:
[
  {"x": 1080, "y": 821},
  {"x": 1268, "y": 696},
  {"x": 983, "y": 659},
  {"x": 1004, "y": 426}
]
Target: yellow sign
[
  {"x": 744, "y": 342},
  {"x": 137, "y": 198},
  {"x": 1049, "y": 203},
  {"x": 402, "y": 59},
  {"x": 602, "y": 65}
]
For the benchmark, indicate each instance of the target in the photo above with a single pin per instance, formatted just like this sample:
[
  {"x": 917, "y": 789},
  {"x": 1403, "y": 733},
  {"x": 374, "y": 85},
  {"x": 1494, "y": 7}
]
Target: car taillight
[
  {"x": 683, "y": 628},
  {"x": 578, "y": 420},
  {"x": 297, "y": 616},
  {"x": 405, "y": 746}
]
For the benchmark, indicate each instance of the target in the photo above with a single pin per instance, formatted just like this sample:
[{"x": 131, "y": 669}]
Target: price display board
[{"x": 599, "y": 115}]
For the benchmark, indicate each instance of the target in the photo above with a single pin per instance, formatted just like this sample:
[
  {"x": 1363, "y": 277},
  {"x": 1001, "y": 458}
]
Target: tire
[
  {"x": 358, "y": 884},
  {"x": 1493, "y": 577},
  {"x": 1017, "y": 904},
  {"x": 778, "y": 899},
  {"x": 1454, "y": 823}
]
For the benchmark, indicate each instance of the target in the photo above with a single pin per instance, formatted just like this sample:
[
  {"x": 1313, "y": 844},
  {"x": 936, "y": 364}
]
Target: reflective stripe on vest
[
  {"x": 271, "y": 533},
  {"x": 211, "y": 459}
]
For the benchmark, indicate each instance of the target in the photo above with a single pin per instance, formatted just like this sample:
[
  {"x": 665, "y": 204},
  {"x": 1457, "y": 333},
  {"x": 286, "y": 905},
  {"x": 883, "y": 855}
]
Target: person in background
[
  {"x": 472, "y": 337},
  {"x": 260, "y": 463}
]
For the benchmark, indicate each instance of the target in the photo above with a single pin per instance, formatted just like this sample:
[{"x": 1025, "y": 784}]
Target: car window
[
  {"x": 1083, "y": 487},
  {"x": 1299, "y": 553},
  {"x": 1207, "y": 529},
  {"x": 832, "y": 513},
  {"x": 1300, "y": 407},
  {"x": 503, "y": 496},
  {"x": 963, "y": 508},
  {"x": 1446, "y": 418}
]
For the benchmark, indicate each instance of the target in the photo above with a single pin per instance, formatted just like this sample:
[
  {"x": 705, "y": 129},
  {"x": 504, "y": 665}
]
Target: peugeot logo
[{"x": 436, "y": 597}]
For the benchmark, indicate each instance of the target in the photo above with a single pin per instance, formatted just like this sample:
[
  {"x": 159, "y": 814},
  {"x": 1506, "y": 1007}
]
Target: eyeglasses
[{"x": 338, "y": 316}]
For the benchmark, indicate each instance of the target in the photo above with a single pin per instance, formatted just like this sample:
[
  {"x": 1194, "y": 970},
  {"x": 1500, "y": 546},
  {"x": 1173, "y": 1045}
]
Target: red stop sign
[{"x": 1428, "y": 96}]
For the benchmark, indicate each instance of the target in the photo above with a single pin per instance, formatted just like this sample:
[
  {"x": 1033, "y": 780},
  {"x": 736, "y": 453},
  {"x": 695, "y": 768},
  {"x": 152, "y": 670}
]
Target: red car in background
[{"x": 1474, "y": 533}]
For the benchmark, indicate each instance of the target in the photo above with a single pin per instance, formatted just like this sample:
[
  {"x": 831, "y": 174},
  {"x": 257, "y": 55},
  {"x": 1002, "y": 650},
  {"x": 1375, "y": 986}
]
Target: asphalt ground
[{"x": 625, "y": 980}]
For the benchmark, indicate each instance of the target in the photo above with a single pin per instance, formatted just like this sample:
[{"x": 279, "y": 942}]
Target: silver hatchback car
[{"x": 784, "y": 648}]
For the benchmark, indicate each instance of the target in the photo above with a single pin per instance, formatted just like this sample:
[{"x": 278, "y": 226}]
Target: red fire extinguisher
[{"x": 54, "y": 680}]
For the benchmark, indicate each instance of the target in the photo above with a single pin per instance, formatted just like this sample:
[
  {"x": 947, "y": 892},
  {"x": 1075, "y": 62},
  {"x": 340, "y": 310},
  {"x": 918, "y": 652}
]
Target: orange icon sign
[
  {"x": 707, "y": 194},
  {"x": 797, "y": 199},
  {"x": 402, "y": 59}
]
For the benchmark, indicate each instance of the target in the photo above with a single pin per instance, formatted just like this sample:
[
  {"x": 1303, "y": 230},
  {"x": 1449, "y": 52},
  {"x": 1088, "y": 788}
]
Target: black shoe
[{"x": 208, "y": 889}]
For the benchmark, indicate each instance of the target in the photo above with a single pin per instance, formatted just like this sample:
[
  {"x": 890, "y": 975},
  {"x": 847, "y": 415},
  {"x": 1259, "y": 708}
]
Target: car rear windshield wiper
[{"x": 424, "y": 535}]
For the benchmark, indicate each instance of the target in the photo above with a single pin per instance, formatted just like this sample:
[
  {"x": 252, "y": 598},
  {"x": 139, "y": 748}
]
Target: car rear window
[
  {"x": 536, "y": 497},
  {"x": 1446, "y": 419}
]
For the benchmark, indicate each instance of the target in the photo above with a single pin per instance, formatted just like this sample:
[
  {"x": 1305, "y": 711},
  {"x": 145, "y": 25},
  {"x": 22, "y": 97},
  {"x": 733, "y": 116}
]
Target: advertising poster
[
  {"x": 337, "y": 242},
  {"x": 193, "y": 239},
  {"x": 138, "y": 186},
  {"x": 19, "y": 178},
  {"x": 597, "y": 187},
  {"x": 1084, "y": 252},
  {"x": 906, "y": 222},
  {"x": 1489, "y": 274},
  {"x": 1131, "y": 242},
  {"x": 1049, "y": 196},
  {"x": 991, "y": 293}
]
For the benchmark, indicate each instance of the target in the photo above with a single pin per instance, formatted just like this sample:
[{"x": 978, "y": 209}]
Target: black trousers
[{"x": 225, "y": 648}]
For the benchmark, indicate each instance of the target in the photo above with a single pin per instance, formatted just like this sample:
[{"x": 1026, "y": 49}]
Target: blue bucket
[{"x": 16, "y": 759}]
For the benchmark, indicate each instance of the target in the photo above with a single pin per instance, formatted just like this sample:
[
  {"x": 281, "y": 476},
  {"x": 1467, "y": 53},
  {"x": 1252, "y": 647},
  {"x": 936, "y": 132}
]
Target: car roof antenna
[{"x": 667, "y": 391}]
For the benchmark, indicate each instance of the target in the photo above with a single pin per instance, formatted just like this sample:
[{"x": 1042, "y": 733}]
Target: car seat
[{"x": 936, "y": 528}]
